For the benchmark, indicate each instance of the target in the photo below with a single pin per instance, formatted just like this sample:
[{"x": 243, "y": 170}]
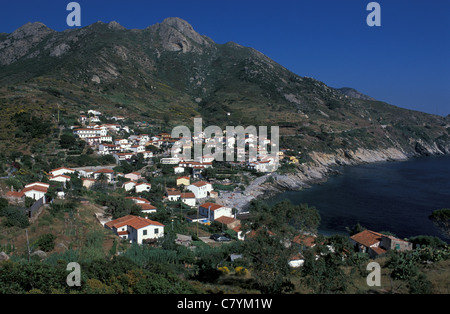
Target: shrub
[
  {"x": 241, "y": 271},
  {"x": 46, "y": 242}
]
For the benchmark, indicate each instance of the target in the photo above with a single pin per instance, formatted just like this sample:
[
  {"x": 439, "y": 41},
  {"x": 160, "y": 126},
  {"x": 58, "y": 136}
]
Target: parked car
[{"x": 220, "y": 238}]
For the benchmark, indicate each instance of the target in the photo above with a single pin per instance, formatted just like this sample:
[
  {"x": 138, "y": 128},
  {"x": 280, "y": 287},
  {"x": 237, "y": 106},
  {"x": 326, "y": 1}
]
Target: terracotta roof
[
  {"x": 212, "y": 206},
  {"x": 200, "y": 183},
  {"x": 187, "y": 195},
  {"x": 305, "y": 240},
  {"x": 35, "y": 188},
  {"x": 367, "y": 237},
  {"x": 171, "y": 192},
  {"x": 137, "y": 199},
  {"x": 146, "y": 206},
  {"x": 378, "y": 250},
  {"x": 14, "y": 194},
  {"x": 133, "y": 221},
  {"x": 60, "y": 175},
  {"x": 104, "y": 171},
  {"x": 37, "y": 183},
  {"x": 62, "y": 168},
  {"x": 225, "y": 220}
]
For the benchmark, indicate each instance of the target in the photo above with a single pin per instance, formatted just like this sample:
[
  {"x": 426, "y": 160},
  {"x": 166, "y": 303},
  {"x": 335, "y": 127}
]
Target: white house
[
  {"x": 137, "y": 149},
  {"x": 147, "y": 154},
  {"x": 135, "y": 176},
  {"x": 122, "y": 156},
  {"x": 136, "y": 229},
  {"x": 173, "y": 195},
  {"x": 88, "y": 183},
  {"x": 60, "y": 178},
  {"x": 109, "y": 173},
  {"x": 36, "y": 190},
  {"x": 147, "y": 208},
  {"x": 128, "y": 186},
  {"x": 37, "y": 184},
  {"x": 188, "y": 198},
  {"x": 143, "y": 187},
  {"x": 60, "y": 171},
  {"x": 94, "y": 112},
  {"x": 138, "y": 200},
  {"x": 201, "y": 189},
  {"x": 178, "y": 170},
  {"x": 213, "y": 211}
]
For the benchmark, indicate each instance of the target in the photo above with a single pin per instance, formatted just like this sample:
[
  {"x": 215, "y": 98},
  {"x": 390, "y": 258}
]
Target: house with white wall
[
  {"x": 128, "y": 186},
  {"x": 143, "y": 187},
  {"x": 134, "y": 176},
  {"x": 201, "y": 189},
  {"x": 109, "y": 173},
  {"x": 189, "y": 199},
  {"x": 60, "y": 171},
  {"x": 36, "y": 190},
  {"x": 212, "y": 211},
  {"x": 60, "y": 178},
  {"x": 136, "y": 229}
]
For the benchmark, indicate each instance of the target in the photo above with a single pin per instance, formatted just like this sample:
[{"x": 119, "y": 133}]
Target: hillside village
[{"x": 199, "y": 197}]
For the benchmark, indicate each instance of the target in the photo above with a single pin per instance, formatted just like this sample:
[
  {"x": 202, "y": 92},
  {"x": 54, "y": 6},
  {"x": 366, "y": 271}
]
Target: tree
[
  {"x": 269, "y": 261},
  {"x": 46, "y": 242},
  {"x": 322, "y": 271},
  {"x": 356, "y": 229},
  {"x": 67, "y": 141},
  {"x": 268, "y": 245},
  {"x": 441, "y": 218}
]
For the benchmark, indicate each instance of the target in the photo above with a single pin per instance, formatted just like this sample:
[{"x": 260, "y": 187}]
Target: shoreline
[{"x": 318, "y": 171}]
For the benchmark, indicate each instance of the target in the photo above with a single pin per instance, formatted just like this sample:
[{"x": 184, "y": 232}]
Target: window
[
  {"x": 144, "y": 232},
  {"x": 156, "y": 230}
]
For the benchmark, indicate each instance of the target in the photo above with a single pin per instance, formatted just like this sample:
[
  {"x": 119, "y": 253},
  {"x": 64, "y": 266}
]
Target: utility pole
[{"x": 28, "y": 245}]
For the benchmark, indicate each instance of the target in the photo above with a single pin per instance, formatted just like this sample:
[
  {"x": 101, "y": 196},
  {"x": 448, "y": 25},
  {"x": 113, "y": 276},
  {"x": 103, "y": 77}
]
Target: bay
[{"x": 391, "y": 196}]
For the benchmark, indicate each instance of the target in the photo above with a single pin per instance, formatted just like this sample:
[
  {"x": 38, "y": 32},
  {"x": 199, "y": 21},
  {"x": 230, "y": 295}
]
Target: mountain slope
[{"x": 168, "y": 70}]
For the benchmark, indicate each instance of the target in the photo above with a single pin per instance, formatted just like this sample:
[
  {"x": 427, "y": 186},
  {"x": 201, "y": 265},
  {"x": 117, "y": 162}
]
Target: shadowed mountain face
[{"x": 170, "y": 72}]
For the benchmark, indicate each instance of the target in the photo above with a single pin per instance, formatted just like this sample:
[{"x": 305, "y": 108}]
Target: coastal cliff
[{"x": 318, "y": 170}]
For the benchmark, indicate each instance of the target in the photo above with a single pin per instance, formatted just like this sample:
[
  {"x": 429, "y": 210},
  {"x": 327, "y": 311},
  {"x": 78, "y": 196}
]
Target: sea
[{"x": 396, "y": 197}]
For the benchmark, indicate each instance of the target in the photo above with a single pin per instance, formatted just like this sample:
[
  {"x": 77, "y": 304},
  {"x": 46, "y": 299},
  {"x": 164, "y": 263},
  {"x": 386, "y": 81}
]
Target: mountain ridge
[{"x": 170, "y": 70}]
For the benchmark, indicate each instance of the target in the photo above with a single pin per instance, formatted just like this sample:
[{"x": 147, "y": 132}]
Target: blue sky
[{"x": 405, "y": 62}]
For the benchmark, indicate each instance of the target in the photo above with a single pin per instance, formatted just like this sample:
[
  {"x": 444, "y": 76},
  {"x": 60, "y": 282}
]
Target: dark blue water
[{"x": 391, "y": 196}]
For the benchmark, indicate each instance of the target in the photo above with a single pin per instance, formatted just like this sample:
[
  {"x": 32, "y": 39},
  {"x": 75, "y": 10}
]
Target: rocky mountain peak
[
  {"x": 21, "y": 41},
  {"x": 31, "y": 29},
  {"x": 115, "y": 25},
  {"x": 177, "y": 33}
]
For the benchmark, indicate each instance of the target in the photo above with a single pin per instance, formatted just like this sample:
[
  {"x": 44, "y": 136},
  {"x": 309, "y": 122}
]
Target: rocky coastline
[{"x": 322, "y": 166}]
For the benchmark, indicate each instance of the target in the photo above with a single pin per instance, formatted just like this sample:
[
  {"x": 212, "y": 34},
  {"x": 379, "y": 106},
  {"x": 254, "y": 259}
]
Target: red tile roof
[
  {"x": 137, "y": 199},
  {"x": 187, "y": 195},
  {"x": 367, "y": 238},
  {"x": 133, "y": 221},
  {"x": 146, "y": 206},
  {"x": 305, "y": 240},
  {"x": 104, "y": 171},
  {"x": 61, "y": 168},
  {"x": 225, "y": 220},
  {"x": 200, "y": 183},
  {"x": 211, "y": 206},
  {"x": 14, "y": 194},
  {"x": 35, "y": 188}
]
